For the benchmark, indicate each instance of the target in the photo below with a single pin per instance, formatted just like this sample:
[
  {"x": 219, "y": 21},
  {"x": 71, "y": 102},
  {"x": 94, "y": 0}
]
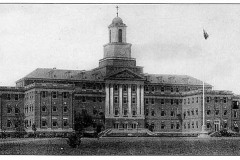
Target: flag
[{"x": 205, "y": 34}]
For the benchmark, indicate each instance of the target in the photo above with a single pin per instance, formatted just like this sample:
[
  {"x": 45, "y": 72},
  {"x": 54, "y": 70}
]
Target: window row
[
  {"x": 10, "y": 110},
  {"x": 54, "y": 123},
  {"x": 191, "y": 112},
  {"x": 55, "y": 109},
  {"x": 163, "y": 125},
  {"x": 216, "y": 111},
  {"x": 162, "y": 101},
  {"x": 85, "y": 99},
  {"x": 28, "y": 109},
  {"x": 216, "y": 99},
  {"x": 125, "y": 87},
  {"x": 54, "y": 94},
  {"x": 162, "y": 89},
  {"x": 92, "y": 86},
  {"x": 15, "y": 97},
  {"x": 190, "y": 125},
  {"x": 172, "y": 113},
  {"x": 125, "y": 112}
]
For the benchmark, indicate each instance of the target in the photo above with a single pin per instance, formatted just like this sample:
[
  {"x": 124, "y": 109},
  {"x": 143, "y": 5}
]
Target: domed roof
[{"x": 117, "y": 20}]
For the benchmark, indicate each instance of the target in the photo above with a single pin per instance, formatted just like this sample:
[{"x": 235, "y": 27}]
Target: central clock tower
[
  {"x": 117, "y": 46},
  {"x": 117, "y": 52}
]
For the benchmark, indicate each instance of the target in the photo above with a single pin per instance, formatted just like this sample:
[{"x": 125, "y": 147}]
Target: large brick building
[{"x": 117, "y": 94}]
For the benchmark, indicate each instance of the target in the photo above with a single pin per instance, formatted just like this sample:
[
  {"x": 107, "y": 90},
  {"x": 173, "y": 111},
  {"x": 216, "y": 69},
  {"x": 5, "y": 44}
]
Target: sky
[{"x": 165, "y": 38}]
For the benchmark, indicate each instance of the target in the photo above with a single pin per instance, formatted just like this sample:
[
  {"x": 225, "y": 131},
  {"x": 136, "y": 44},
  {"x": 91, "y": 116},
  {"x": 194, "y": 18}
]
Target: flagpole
[{"x": 204, "y": 133}]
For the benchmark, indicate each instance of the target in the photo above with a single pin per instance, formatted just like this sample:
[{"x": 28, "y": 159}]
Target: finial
[{"x": 117, "y": 10}]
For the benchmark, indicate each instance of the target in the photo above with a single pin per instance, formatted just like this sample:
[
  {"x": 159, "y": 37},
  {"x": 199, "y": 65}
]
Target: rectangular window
[
  {"x": 116, "y": 87},
  {"x": 208, "y": 125},
  {"x": 152, "y": 100},
  {"x": 171, "y": 101},
  {"x": 193, "y": 124},
  {"x": 188, "y": 100},
  {"x": 192, "y": 100},
  {"x": 65, "y": 109},
  {"x": 124, "y": 88},
  {"x": 196, "y": 111},
  {"x": 94, "y": 99},
  {"x": 217, "y": 112},
  {"x": 208, "y": 99},
  {"x": 172, "y": 113},
  {"x": 99, "y": 99},
  {"x": 184, "y": 125},
  {"x": 153, "y": 113},
  {"x": 162, "y": 125},
  {"x": 146, "y": 100},
  {"x": 84, "y": 86},
  {"x": 196, "y": 124},
  {"x": 216, "y": 99},
  {"x": 16, "y": 96},
  {"x": 184, "y": 101},
  {"x": 125, "y": 112},
  {"x": 177, "y": 126},
  {"x": 171, "y": 89},
  {"x": 188, "y": 112},
  {"x": 146, "y": 88},
  {"x": 9, "y": 110},
  {"x": 54, "y": 123},
  {"x": 172, "y": 125},
  {"x": 134, "y": 113},
  {"x": 146, "y": 112},
  {"x": 192, "y": 112},
  {"x": 133, "y": 88},
  {"x": 44, "y": 94},
  {"x": 177, "y": 90},
  {"x": 163, "y": 113},
  {"x": 8, "y": 96},
  {"x": 188, "y": 125},
  {"x": 197, "y": 100},
  {"x": 54, "y": 94},
  {"x": 65, "y": 122},
  {"x": 153, "y": 88},
  {"x": 115, "y": 99},
  {"x": 162, "y": 89},
  {"x": 116, "y": 111},
  {"x": 124, "y": 100},
  {"x": 208, "y": 112},
  {"x": 224, "y": 99},
  {"x": 177, "y": 101},
  {"x": 162, "y": 101},
  {"x": 133, "y": 100},
  {"x": 9, "y": 123},
  {"x": 65, "y": 94},
  {"x": 44, "y": 123},
  {"x": 235, "y": 114},
  {"x": 54, "y": 109},
  {"x": 225, "y": 112},
  {"x": 83, "y": 99}
]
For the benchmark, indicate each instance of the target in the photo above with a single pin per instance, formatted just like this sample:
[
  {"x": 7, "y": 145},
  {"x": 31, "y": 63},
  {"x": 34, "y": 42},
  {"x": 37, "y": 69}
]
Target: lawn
[{"x": 126, "y": 146}]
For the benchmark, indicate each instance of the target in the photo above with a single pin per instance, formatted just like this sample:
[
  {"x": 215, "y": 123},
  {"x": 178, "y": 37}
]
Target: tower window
[{"x": 119, "y": 35}]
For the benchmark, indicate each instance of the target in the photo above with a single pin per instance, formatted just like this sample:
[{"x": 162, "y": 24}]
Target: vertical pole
[{"x": 203, "y": 124}]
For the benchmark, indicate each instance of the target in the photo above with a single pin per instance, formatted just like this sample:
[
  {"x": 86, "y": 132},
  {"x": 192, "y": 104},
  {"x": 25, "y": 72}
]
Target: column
[
  {"x": 111, "y": 101},
  {"x": 142, "y": 101},
  {"x": 107, "y": 100},
  {"x": 129, "y": 101},
  {"x": 120, "y": 100},
  {"x": 138, "y": 100}
]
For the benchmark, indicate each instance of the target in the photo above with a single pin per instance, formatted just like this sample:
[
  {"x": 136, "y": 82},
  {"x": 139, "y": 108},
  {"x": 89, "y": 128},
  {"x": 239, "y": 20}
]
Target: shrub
[{"x": 74, "y": 140}]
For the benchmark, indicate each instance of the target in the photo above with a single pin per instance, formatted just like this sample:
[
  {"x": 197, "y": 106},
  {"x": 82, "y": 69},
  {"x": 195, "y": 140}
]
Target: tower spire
[{"x": 117, "y": 10}]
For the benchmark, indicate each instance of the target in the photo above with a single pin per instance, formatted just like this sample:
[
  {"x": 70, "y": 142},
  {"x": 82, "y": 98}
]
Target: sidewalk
[{"x": 25, "y": 140}]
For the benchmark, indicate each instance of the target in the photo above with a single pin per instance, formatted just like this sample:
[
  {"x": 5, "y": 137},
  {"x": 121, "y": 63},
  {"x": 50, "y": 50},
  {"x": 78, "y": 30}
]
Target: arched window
[
  {"x": 110, "y": 36},
  {"x": 119, "y": 35}
]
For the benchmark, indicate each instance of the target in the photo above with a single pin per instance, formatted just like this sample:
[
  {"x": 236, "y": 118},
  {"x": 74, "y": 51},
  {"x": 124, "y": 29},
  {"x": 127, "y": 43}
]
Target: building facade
[{"x": 117, "y": 94}]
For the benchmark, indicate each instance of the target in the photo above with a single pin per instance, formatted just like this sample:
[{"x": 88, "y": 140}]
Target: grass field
[{"x": 125, "y": 146}]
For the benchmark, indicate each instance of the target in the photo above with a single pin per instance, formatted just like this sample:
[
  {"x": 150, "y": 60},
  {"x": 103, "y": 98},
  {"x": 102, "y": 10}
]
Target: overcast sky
[{"x": 166, "y": 39}]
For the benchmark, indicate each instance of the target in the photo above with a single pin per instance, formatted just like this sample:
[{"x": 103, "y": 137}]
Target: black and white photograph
[{"x": 119, "y": 79}]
